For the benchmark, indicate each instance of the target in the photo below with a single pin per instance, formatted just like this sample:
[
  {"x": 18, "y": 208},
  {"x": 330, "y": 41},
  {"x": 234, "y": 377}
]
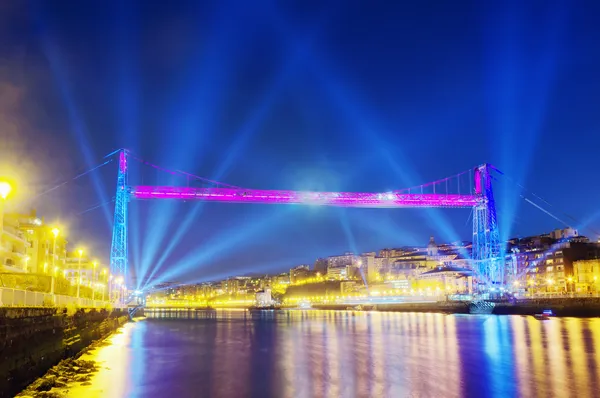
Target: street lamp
[
  {"x": 55, "y": 232},
  {"x": 80, "y": 252},
  {"x": 5, "y": 189},
  {"x": 105, "y": 286},
  {"x": 94, "y": 264}
]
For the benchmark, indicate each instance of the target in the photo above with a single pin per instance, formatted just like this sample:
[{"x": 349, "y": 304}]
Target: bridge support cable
[
  {"x": 96, "y": 207},
  {"x": 188, "y": 176},
  {"x": 544, "y": 209},
  {"x": 62, "y": 184}
]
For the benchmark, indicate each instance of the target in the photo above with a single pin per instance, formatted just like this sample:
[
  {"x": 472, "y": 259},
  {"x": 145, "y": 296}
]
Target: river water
[{"x": 348, "y": 354}]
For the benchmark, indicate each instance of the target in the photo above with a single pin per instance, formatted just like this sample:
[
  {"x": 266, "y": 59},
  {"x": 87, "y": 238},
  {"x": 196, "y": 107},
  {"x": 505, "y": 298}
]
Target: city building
[
  {"x": 77, "y": 265},
  {"x": 545, "y": 265},
  {"x": 342, "y": 260},
  {"x": 299, "y": 273},
  {"x": 47, "y": 249},
  {"x": 321, "y": 265},
  {"x": 447, "y": 279},
  {"x": 566, "y": 233},
  {"x": 263, "y": 298},
  {"x": 586, "y": 276},
  {"x": 348, "y": 287},
  {"x": 13, "y": 244},
  {"x": 338, "y": 272}
]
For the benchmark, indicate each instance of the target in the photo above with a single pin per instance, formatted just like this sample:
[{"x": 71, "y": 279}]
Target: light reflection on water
[{"x": 344, "y": 354}]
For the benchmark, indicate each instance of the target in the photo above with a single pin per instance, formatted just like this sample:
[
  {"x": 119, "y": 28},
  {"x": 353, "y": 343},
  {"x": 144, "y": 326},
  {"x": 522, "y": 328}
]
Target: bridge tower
[
  {"x": 487, "y": 251},
  {"x": 118, "y": 253}
]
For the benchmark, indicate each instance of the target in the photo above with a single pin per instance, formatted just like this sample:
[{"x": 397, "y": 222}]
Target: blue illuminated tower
[
  {"x": 118, "y": 252},
  {"x": 487, "y": 251}
]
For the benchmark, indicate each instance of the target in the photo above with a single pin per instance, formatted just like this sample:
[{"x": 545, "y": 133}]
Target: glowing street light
[{"x": 5, "y": 189}]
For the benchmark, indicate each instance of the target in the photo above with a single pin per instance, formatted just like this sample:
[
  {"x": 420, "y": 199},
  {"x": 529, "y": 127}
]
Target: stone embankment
[
  {"x": 33, "y": 340},
  {"x": 565, "y": 307}
]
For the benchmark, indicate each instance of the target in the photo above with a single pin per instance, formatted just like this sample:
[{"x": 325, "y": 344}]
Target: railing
[{"x": 23, "y": 298}]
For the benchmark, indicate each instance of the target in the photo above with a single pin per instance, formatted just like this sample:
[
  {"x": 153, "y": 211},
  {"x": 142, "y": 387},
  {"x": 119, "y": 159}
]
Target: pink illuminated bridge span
[{"x": 339, "y": 199}]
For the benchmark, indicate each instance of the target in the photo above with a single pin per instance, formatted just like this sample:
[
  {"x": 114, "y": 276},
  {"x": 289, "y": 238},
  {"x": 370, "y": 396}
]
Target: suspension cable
[
  {"x": 72, "y": 179},
  {"x": 96, "y": 207},
  {"x": 549, "y": 204},
  {"x": 183, "y": 173}
]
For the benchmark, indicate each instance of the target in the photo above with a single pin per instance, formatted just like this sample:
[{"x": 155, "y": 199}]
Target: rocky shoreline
[{"x": 59, "y": 379}]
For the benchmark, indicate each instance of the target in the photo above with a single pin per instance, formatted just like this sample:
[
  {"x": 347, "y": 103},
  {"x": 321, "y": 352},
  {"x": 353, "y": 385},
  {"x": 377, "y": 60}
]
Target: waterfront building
[
  {"x": 586, "y": 276},
  {"x": 447, "y": 279},
  {"x": 47, "y": 249},
  {"x": 13, "y": 245},
  {"x": 76, "y": 266},
  {"x": 263, "y": 298},
  {"x": 550, "y": 269}
]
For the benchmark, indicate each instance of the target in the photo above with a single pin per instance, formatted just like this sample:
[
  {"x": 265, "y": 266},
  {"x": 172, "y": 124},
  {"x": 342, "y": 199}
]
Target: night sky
[{"x": 302, "y": 95}]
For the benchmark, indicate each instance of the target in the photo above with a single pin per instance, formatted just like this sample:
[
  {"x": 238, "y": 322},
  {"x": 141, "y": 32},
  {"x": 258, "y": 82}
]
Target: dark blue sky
[{"x": 346, "y": 95}]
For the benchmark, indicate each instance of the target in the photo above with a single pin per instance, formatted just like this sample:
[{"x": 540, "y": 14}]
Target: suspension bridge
[{"x": 487, "y": 251}]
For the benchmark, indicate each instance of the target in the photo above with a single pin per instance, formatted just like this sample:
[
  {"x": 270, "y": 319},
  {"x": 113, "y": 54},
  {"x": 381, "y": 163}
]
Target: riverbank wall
[
  {"x": 564, "y": 307},
  {"x": 32, "y": 340}
]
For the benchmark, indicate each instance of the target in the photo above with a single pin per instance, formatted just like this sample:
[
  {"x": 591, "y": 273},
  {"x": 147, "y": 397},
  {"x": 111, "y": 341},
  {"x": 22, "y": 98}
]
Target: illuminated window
[{"x": 549, "y": 269}]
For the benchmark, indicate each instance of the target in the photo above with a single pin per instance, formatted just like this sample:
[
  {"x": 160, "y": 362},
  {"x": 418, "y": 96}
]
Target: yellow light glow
[
  {"x": 80, "y": 252},
  {"x": 5, "y": 189},
  {"x": 55, "y": 232},
  {"x": 570, "y": 279}
]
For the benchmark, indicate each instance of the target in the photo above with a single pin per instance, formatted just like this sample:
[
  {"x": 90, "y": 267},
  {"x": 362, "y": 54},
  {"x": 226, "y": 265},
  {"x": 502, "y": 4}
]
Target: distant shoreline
[{"x": 561, "y": 307}]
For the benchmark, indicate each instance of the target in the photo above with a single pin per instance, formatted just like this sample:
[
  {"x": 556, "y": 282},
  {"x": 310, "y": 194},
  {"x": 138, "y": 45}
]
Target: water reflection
[{"x": 348, "y": 354}]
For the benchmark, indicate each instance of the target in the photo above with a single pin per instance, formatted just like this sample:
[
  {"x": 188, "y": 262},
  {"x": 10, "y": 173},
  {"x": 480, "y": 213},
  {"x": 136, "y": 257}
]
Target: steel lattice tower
[
  {"x": 118, "y": 252},
  {"x": 489, "y": 261}
]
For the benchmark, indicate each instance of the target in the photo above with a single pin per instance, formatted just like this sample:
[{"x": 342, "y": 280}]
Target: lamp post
[
  {"x": 105, "y": 281},
  {"x": 80, "y": 252},
  {"x": 94, "y": 264},
  {"x": 110, "y": 286},
  {"x": 55, "y": 232}
]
